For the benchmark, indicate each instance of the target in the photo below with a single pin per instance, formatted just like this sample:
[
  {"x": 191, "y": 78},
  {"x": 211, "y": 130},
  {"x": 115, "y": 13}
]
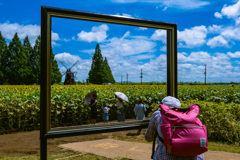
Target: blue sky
[{"x": 208, "y": 33}]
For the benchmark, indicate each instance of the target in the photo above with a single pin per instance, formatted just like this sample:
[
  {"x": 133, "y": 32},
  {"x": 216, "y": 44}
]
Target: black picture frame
[{"x": 45, "y": 87}]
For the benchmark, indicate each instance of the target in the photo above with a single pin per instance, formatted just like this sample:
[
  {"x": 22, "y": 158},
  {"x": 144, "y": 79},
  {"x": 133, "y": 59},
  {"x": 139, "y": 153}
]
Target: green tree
[
  {"x": 97, "y": 73},
  {"x": 3, "y": 60},
  {"x": 56, "y": 76},
  {"x": 28, "y": 79},
  {"x": 109, "y": 76},
  {"x": 35, "y": 61},
  {"x": 18, "y": 70}
]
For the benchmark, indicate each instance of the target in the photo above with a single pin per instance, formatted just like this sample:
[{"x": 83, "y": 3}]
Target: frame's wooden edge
[
  {"x": 45, "y": 89},
  {"x": 88, "y": 16},
  {"x": 76, "y": 132},
  {"x": 54, "y": 10},
  {"x": 101, "y": 125},
  {"x": 43, "y": 85}
]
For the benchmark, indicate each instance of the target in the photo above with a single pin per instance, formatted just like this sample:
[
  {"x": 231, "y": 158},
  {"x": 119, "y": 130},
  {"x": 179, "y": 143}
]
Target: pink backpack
[{"x": 183, "y": 133}]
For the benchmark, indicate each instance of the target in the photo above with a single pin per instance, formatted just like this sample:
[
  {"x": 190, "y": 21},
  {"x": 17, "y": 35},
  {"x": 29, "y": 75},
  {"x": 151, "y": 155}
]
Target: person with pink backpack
[{"x": 180, "y": 134}]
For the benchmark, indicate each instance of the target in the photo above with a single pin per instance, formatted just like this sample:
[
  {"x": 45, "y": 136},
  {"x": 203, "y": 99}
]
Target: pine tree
[
  {"x": 18, "y": 70},
  {"x": 97, "y": 74},
  {"x": 35, "y": 58},
  {"x": 3, "y": 60},
  {"x": 110, "y": 78},
  {"x": 56, "y": 76},
  {"x": 28, "y": 79}
]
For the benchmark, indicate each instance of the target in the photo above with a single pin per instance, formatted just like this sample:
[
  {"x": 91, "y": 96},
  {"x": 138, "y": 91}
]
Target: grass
[
  {"x": 65, "y": 155},
  {"x": 219, "y": 146}
]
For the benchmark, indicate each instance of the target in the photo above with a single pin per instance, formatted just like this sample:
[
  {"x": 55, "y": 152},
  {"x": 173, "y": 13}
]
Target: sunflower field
[{"x": 20, "y": 105}]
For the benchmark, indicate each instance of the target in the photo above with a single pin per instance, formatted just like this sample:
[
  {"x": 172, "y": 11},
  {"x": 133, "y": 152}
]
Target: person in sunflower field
[
  {"x": 93, "y": 104},
  {"x": 120, "y": 112},
  {"x": 139, "y": 110},
  {"x": 154, "y": 127},
  {"x": 105, "y": 113}
]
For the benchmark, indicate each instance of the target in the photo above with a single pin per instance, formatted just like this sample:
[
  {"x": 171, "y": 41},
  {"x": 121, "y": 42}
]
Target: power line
[
  {"x": 205, "y": 73},
  {"x": 141, "y": 76}
]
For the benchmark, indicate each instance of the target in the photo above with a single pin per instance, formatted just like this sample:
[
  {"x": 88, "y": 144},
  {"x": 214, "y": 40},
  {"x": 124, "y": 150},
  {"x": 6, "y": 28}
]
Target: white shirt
[{"x": 119, "y": 105}]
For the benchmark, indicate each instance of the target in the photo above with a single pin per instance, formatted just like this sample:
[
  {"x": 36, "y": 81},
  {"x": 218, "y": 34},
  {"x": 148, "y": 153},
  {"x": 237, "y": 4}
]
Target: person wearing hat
[
  {"x": 120, "y": 112},
  {"x": 154, "y": 126}
]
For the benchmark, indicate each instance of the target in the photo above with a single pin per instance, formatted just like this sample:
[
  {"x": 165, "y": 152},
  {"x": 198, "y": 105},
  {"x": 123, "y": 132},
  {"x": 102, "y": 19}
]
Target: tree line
[
  {"x": 20, "y": 63},
  {"x": 100, "y": 71}
]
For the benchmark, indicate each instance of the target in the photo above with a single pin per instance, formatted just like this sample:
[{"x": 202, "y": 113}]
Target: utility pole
[
  {"x": 141, "y": 76},
  {"x": 127, "y": 78},
  {"x": 205, "y": 73},
  {"x": 121, "y": 79}
]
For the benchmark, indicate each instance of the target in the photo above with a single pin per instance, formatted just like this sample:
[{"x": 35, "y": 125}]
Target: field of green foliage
[{"x": 20, "y": 105}]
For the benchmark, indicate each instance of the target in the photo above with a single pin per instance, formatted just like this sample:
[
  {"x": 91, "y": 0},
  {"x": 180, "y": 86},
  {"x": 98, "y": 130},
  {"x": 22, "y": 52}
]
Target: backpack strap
[
  {"x": 183, "y": 109},
  {"x": 188, "y": 108},
  {"x": 200, "y": 108},
  {"x": 154, "y": 139}
]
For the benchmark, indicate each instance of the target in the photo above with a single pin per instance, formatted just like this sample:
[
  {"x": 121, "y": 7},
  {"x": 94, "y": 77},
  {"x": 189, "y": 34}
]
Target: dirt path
[
  {"x": 28, "y": 143},
  {"x": 115, "y": 148}
]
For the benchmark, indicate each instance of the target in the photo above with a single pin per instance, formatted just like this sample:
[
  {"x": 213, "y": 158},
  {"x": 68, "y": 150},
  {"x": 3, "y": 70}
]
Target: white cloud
[
  {"x": 217, "y": 41},
  {"x": 32, "y": 31},
  {"x": 186, "y": 4},
  {"x": 55, "y": 36},
  {"x": 125, "y": 55},
  {"x": 238, "y": 62},
  {"x": 215, "y": 29},
  {"x": 194, "y": 57},
  {"x": 234, "y": 55},
  {"x": 237, "y": 69},
  {"x": 192, "y": 37},
  {"x": 89, "y": 51},
  {"x": 159, "y": 35},
  {"x": 127, "y": 45},
  {"x": 218, "y": 15},
  {"x": 66, "y": 40},
  {"x": 142, "y": 57},
  {"x": 123, "y": 15},
  {"x": 165, "y": 8},
  {"x": 97, "y": 34},
  {"x": 237, "y": 20},
  {"x": 191, "y": 67},
  {"x": 226, "y": 35},
  {"x": 8, "y": 30},
  {"x": 141, "y": 28},
  {"x": 55, "y": 44},
  {"x": 127, "y": 34},
  {"x": 231, "y": 33},
  {"x": 231, "y": 11},
  {"x": 163, "y": 48},
  {"x": 66, "y": 58}
]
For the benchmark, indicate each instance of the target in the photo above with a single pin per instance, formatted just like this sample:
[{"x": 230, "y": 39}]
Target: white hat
[{"x": 171, "y": 102}]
